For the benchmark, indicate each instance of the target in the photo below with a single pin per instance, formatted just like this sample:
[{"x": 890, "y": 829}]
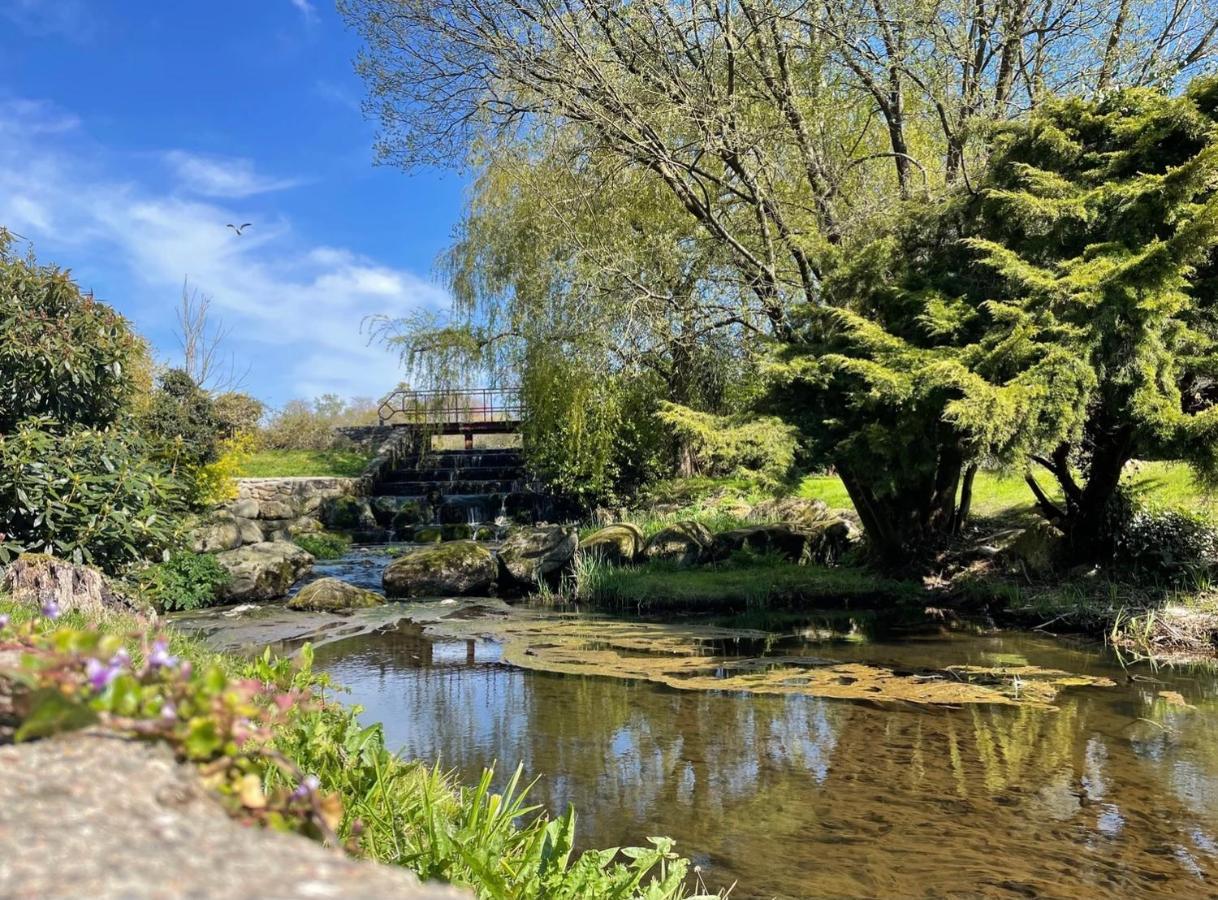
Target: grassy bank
[
  {"x": 761, "y": 582},
  {"x": 279, "y": 752},
  {"x": 997, "y": 494},
  {"x": 303, "y": 463}
]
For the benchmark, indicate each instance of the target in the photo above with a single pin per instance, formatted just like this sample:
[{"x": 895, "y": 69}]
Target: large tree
[{"x": 1051, "y": 317}]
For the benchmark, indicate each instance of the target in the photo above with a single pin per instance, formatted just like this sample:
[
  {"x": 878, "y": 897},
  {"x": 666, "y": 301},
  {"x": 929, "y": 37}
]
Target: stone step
[
  {"x": 444, "y": 476},
  {"x": 423, "y": 488}
]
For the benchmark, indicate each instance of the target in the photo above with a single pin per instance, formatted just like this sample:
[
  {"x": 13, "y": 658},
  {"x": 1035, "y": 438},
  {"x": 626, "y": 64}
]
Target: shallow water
[{"x": 1112, "y": 793}]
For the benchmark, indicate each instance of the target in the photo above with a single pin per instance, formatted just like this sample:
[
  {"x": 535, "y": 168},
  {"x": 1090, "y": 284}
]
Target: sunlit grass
[
  {"x": 303, "y": 463},
  {"x": 1160, "y": 483}
]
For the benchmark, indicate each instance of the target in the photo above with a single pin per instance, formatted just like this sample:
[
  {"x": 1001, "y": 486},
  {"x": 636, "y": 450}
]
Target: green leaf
[{"x": 53, "y": 713}]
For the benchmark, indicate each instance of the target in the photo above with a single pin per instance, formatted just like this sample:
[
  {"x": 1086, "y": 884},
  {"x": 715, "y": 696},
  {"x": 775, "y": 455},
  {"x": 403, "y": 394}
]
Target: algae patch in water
[{"x": 694, "y": 657}]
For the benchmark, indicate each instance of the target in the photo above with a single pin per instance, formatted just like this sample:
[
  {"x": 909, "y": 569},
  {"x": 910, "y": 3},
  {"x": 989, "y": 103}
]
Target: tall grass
[{"x": 744, "y": 582}]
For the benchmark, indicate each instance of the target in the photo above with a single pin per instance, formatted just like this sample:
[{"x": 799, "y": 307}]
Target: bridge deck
[{"x": 474, "y": 411}]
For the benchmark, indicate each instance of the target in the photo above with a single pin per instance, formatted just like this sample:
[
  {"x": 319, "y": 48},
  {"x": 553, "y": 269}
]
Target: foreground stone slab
[{"x": 103, "y": 817}]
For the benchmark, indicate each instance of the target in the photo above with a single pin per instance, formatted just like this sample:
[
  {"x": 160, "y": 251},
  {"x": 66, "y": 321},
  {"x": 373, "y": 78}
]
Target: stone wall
[
  {"x": 305, "y": 493},
  {"x": 367, "y": 437}
]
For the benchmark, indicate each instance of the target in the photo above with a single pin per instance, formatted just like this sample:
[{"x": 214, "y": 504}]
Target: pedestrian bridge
[{"x": 468, "y": 412}]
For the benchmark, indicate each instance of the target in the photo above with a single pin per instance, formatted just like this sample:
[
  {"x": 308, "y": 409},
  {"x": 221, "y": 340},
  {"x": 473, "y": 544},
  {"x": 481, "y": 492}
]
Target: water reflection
[{"x": 1114, "y": 794}]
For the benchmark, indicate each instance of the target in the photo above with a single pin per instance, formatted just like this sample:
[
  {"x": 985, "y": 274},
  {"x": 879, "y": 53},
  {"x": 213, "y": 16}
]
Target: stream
[{"x": 1105, "y": 787}]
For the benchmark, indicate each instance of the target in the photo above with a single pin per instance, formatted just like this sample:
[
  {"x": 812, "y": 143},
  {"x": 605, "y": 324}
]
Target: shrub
[
  {"x": 237, "y": 413},
  {"x": 63, "y": 355},
  {"x": 324, "y": 545},
  {"x": 84, "y": 494},
  {"x": 216, "y": 482},
  {"x": 184, "y": 581},
  {"x": 309, "y": 425},
  {"x": 183, "y": 420},
  {"x": 759, "y": 449},
  {"x": 1169, "y": 543}
]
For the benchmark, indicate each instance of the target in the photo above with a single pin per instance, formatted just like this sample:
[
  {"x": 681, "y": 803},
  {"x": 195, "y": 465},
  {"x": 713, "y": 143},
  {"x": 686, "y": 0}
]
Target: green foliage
[
  {"x": 324, "y": 545},
  {"x": 183, "y": 421},
  {"x": 237, "y": 412},
  {"x": 1163, "y": 543},
  {"x": 309, "y": 425},
  {"x": 585, "y": 434},
  {"x": 744, "y": 582},
  {"x": 286, "y": 463},
  {"x": 1052, "y": 313},
  {"x": 63, "y": 355},
  {"x": 184, "y": 581},
  {"x": 88, "y": 495},
  {"x": 761, "y": 449}
]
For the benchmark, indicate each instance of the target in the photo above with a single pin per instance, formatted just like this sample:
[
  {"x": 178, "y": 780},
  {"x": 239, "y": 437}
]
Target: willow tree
[{"x": 569, "y": 272}]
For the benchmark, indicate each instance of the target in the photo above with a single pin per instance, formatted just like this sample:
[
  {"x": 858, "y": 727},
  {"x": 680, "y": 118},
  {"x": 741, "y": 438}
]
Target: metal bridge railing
[{"x": 452, "y": 409}]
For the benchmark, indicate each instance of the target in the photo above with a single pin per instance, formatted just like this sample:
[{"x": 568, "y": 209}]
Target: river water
[{"x": 1112, "y": 792}]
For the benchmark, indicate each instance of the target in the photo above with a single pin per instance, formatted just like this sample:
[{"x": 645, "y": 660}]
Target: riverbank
[{"x": 274, "y": 749}]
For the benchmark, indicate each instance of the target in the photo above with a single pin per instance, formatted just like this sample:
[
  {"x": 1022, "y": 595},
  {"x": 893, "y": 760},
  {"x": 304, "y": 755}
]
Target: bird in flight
[{"x": 239, "y": 228}]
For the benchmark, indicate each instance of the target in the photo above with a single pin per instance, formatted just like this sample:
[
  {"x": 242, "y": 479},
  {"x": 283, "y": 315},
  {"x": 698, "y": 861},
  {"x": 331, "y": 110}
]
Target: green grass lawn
[
  {"x": 1160, "y": 483},
  {"x": 294, "y": 463}
]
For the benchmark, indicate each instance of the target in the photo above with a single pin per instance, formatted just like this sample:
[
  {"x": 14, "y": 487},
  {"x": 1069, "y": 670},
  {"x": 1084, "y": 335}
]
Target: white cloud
[
  {"x": 212, "y": 176},
  {"x": 306, "y": 9},
  {"x": 295, "y": 309},
  {"x": 35, "y": 117},
  {"x": 69, "y": 18}
]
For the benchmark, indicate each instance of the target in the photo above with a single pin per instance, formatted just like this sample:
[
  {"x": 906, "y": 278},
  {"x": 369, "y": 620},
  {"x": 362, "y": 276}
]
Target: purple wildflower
[
  {"x": 160, "y": 658},
  {"x": 307, "y": 787},
  {"x": 169, "y": 712},
  {"x": 50, "y": 608},
  {"x": 4, "y": 621},
  {"x": 121, "y": 658},
  {"x": 100, "y": 674}
]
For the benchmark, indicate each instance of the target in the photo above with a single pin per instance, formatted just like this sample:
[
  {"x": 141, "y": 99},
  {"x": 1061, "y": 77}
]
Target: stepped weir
[{"x": 450, "y": 494}]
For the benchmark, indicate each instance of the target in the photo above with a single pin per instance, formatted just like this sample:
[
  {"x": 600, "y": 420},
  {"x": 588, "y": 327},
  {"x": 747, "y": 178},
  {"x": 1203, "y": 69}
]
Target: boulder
[
  {"x": 617, "y": 544},
  {"x": 684, "y": 543},
  {"x": 831, "y": 539},
  {"x": 530, "y": 554},
  {"x": 1038, "y": 549},
  {"x": 262, "y": 571},
  {"x": 46, "y": 582},
  {"x": 277, "y": 509},
  {"x": 429, "y": 535},
  {"x": 456, "y": 532},
  {"x": 347, "y": 514},
  {"x": 782, "y": 539},
  {"x": 218, "y": 532},
  {"x": 454, "y": 568},
  {"x": 333, "y": 595},
  {"x": 251, "y": 531},
  {"x": 304, "y": 525},
  {"x": 244, "y": 509}
]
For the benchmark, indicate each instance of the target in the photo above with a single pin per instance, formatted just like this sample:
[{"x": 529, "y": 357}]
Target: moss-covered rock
[
  {"x": 333, "y": 595},
  {"x": 454, "y": 568},
  {"x": 531, "y": 554},
  {"x": 347, "y": 514},
  {"x": 262, "y": 571},
  {"x": 456, "y": 532},
  {"x": 618, "y": 544},
  {"x": 684, "y": 543},
  {"x": 781, "y": 539},
  {"x": 428, "y": 535}
]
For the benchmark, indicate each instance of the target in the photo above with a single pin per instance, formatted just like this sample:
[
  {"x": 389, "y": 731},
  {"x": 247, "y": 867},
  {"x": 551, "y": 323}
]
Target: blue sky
[{"x": 132, "y": 131}]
